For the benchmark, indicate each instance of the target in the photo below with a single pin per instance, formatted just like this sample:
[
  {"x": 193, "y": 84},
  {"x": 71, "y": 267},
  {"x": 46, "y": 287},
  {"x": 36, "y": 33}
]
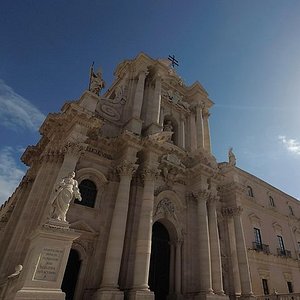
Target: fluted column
[
  {"x": 117, "y": 233},
  {"x": 178, "y": 268},
  {"x": 143, "y": 245},
  {"x": 207, "y": 145},
  {"x": 193, "y": 135},
  {"x": 242, "y": 254},
  {"x": 204, "y": 247},
  {"x": 216, "y": 265},
  {"x": 199, "y": 122}
]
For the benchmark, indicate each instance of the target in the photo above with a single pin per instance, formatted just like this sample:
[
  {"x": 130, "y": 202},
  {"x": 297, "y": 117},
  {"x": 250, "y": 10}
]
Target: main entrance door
[
  {"x": 71, "y": 275},
  {"x": 159, "y": 262}
]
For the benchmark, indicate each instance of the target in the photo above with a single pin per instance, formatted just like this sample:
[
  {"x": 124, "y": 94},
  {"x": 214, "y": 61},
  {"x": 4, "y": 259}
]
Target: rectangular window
[
  {"x": 265, "y": 286},
  {"x": 257, "y": 236},
  {"x": 290, "y": 287},
  {"x": 281, "y": 243},
  {"x": 298, "y": 246}
]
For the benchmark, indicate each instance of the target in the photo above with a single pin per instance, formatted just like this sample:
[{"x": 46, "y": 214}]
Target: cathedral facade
[{"x": 154, "y": 215}]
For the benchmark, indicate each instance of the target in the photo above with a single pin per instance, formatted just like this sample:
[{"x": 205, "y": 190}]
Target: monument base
[
  {"x": 45, "y": 262},
  {"x": 43, "y": 294}
]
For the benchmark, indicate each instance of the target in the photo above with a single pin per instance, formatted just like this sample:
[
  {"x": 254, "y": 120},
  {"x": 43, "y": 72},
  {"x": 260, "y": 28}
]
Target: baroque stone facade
[{"x": 159, "y": 217}]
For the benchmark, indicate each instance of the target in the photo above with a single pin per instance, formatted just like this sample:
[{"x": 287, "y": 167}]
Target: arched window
[
  {"x": 249, "y": 191},
  {"x": 88, "y": 191},
  {"x": 272, "y": 203}
]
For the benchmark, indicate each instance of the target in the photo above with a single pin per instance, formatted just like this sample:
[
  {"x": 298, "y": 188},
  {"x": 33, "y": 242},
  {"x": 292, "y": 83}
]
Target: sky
[{"x": 244, "y": 53}]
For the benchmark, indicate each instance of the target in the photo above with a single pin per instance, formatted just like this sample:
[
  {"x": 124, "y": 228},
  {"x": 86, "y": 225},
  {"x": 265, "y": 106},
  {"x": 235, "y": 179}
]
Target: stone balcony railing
[
  {"x": 283, "y": 252},
  {"x": 261, "y": 247},
  {"x": 291, "y": 296}
]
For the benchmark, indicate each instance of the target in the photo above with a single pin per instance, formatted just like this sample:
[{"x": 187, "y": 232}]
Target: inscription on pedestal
[{"x": 48, "y": 264}]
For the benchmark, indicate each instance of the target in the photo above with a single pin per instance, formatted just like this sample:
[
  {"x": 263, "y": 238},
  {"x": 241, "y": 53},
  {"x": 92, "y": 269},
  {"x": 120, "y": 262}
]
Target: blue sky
[{"x": 245, "y": 54}]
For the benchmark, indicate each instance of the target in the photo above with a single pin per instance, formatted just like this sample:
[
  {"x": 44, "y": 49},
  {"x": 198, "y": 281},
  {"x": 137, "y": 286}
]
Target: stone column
[
  {"x": 181, "y": 133},
  {"x": 172, "y": 268},
  {"x": 242, "y": 254},
  {"x": 207, "y": 145},
  {"x": 139, "y": 94},
  {"x": 193, "y": 136},
  {"x": 143, "y": 246},
  {"x": 135, "y": 124},
  {"x": 200, "y": 140},
  {"x": 178, "y": 268},
  {"x": 154, "y": 107},
  {"x": 216, "y": 265},
  {"x": 161, "y": 118},
  {"x": 204, "y": 247},
  {"x": 109, "y": 288},
  {"x": 233, "y": 255}
]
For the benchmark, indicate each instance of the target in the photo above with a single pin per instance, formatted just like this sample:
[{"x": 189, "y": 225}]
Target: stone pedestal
[{"x": 45, "y": 263}]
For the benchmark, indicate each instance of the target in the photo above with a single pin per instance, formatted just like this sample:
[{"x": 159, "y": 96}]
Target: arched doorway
[
  {"x": 160, "y": 262},
  {"x": 71, "y": 274}
]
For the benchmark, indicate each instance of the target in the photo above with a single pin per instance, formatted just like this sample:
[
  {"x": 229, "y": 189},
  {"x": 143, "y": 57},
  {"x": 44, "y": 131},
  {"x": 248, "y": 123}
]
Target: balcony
[
  {"x": 291, "y": 296},
  {"x": 283, "y": 252},
  {"x": 261, "y": 247}
]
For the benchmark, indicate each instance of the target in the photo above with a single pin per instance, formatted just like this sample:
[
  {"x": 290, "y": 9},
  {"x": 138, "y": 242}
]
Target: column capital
[
  {"x": 205, "y": 112},
  {"x": 150, "y": 173},
  {"x": 213, "y": 199},
  {"x": 201, "y": 195},
  {"x": 142, "y": 73},
  {"x": 232, "y": 211},
  {"x": 126, "y": 168}
]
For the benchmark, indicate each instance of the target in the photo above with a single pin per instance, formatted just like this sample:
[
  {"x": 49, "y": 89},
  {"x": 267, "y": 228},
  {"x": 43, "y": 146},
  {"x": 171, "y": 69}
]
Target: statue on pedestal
[
  {"x": 64, "y": 192},
  {"x": 231, "y": 157},
  {"x": 96, "y": 82}
]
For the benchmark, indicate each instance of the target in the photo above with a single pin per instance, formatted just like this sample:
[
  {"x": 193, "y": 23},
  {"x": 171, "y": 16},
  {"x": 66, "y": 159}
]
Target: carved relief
[{"x": 166, "y": 208}]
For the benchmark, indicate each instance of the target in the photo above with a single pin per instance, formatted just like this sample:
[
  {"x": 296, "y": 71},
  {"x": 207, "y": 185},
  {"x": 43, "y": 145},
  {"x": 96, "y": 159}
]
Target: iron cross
[{"x": 174, "y": 61}]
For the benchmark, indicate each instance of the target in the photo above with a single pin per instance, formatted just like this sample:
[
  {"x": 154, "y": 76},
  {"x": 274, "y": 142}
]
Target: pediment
[{"x": 83, "y": 227}]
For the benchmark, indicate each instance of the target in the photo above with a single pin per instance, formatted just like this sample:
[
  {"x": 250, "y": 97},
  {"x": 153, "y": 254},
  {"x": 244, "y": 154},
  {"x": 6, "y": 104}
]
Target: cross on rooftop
[{"x": 174, "y": 61}]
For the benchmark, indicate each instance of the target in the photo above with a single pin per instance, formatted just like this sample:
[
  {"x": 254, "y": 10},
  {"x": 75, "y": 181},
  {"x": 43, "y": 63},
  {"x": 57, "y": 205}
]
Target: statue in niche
[
  {"x": 96, "y": 82},
  {"x": 168, "y": 126},
  {"x": 231, "y": 157},
  {"x": 64, "y": 192}
]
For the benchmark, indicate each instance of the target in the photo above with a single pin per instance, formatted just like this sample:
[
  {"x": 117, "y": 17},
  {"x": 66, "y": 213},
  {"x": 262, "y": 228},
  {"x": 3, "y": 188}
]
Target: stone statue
[
  {"x": 64, "y": 192},
  {"x": 96, "y": 82},
  {"x": 231, "y": 157},
  {"x": 168, "y": 126}
]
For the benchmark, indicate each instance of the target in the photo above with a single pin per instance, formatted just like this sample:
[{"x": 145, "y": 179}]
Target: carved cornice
[{"x": 232, "y": 211}]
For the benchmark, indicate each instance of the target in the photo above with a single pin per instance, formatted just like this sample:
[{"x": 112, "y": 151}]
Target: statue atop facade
[
  {"x": 64, "y": 192},
  {"x": 96, "y": 82},
  {"x": 231, "y": 157}
]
